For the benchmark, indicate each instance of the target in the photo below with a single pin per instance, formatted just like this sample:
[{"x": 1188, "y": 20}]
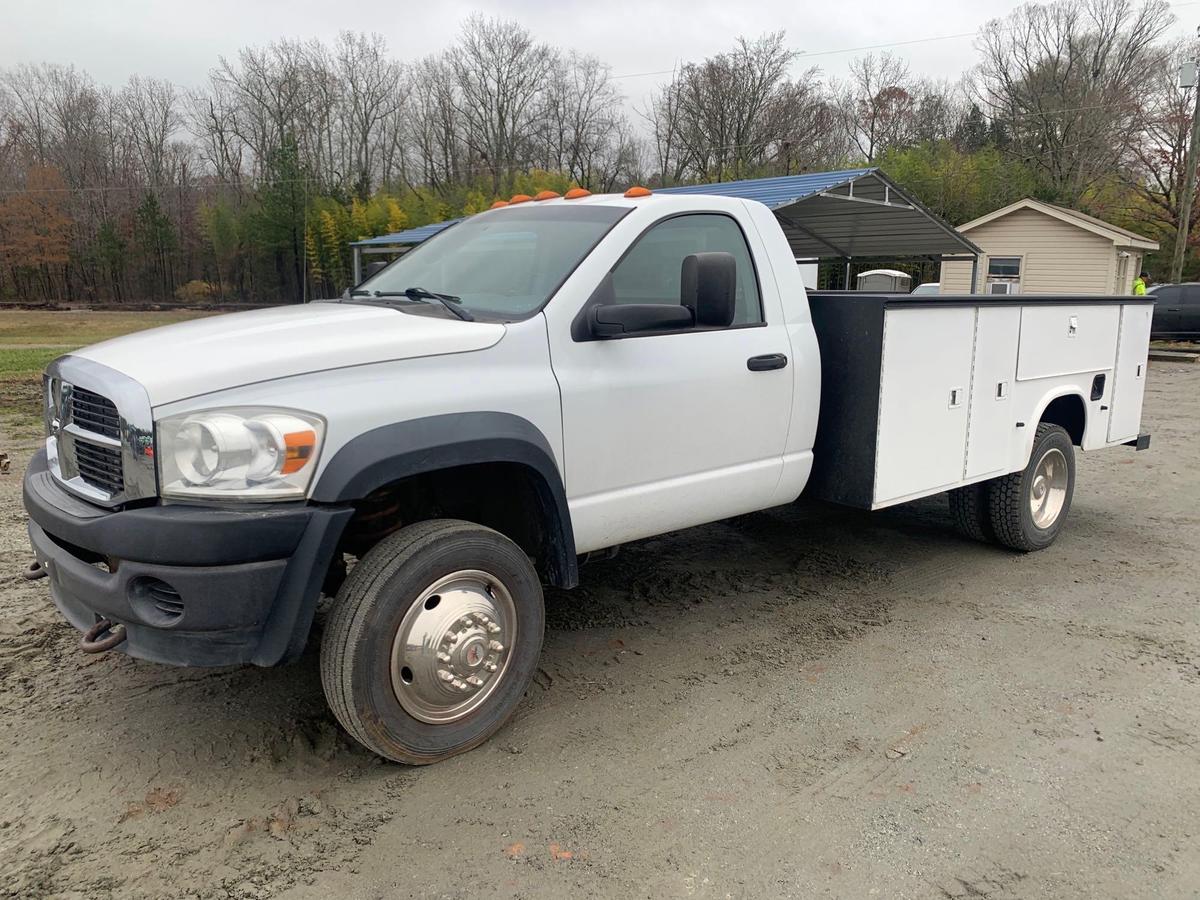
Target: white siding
[{"x": 1056, "y": 257}]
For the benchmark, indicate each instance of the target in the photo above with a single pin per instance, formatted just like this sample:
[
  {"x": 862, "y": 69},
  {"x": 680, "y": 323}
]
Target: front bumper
[{"x": 241, "y": 585}]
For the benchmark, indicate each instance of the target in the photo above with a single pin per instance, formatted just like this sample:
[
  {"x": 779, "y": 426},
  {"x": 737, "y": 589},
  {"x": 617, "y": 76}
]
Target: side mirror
[{"x": 707, "y": 286}]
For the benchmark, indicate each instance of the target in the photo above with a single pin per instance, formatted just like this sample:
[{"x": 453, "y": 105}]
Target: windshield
[{"x": 504, "y": 264}]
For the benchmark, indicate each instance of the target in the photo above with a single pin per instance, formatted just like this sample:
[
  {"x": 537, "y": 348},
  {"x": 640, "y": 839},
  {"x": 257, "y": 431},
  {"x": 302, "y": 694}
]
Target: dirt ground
[{"x": 799, "y": 702}]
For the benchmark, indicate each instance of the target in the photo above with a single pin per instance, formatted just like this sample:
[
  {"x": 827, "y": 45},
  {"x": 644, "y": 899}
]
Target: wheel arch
[
  {"x": 1066, "y": 407},
  {"x": 460, "y": 442}
]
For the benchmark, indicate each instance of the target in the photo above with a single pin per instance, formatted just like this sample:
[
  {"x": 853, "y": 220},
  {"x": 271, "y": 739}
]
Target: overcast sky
[{"x": 113, "y": 39}]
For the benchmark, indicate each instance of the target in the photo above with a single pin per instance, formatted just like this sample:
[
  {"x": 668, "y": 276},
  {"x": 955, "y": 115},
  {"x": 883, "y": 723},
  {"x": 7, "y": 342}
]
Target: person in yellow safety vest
[{"x": 1139, "y": 285}]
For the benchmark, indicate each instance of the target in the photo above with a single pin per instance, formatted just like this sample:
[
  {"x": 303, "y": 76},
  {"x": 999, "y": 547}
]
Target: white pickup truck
[{"x": 540, "y": 381}]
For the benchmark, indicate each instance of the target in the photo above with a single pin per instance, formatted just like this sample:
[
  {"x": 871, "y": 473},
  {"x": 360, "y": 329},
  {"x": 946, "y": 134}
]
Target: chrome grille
[
  {"x": 99, "y": 466},
  {"x": 94, "y": 413},
  {"x": 100, "y": 438}
]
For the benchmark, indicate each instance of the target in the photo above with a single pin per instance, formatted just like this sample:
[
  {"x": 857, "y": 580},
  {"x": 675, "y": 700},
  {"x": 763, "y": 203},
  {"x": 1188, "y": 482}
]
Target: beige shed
[{"x": 1030, "y": 247}]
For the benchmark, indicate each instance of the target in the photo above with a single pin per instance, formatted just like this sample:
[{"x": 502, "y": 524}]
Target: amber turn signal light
[{"x": 299, "y": 446}]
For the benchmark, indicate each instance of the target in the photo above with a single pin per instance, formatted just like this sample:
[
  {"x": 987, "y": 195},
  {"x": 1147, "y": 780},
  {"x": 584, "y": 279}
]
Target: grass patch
[
  {"x": 77, "y": 328},
  {"x": 27, "y": 362}
]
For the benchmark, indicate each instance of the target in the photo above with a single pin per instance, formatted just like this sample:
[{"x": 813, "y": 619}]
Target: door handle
[{"x": 766, "y": 362}]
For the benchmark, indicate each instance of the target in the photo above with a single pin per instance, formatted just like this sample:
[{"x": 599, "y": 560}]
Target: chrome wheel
[
  {"x": 1048, "y": 490},
  {"x": 451, "y": 651}
]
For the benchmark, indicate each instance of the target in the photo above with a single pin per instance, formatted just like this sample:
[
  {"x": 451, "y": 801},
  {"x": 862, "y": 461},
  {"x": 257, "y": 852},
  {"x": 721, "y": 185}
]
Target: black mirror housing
[
  {"x": 707, "y": 286},
  {"x": 621, "y": 319}
]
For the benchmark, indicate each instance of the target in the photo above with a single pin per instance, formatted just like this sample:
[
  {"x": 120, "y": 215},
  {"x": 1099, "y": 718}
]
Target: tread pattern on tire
[
  {"x": 969, "y": 510},
  {"x": 1006, "y": 499},
  {"x": 343, "y": 628}
]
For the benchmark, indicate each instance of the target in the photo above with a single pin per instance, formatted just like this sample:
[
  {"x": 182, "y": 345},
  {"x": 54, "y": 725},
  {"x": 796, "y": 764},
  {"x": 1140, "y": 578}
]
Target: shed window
[{"x": 1004, "y": 267}]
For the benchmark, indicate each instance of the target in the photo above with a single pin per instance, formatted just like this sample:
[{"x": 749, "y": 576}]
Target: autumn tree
[{"x": 35, "y": 232}]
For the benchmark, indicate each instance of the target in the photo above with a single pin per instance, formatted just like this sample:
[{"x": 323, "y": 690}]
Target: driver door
[{"x": 667, "y": 430}]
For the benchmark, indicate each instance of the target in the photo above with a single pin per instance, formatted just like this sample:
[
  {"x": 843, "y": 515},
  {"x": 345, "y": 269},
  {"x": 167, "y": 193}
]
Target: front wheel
[
  {"x": 432, "y": 640},
  {"x": 1027, "y": 509}
]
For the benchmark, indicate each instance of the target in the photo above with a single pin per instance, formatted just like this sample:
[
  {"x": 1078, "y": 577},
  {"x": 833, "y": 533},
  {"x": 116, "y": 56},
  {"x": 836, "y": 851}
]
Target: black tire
[
  {"x": 1009, "y": 510},
  {"x": 969, "y": 511},
  {"x": 356, "y": 649}
]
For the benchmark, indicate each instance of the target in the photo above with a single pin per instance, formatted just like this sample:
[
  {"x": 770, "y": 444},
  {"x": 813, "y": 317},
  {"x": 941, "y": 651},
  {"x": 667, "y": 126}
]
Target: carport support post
[
  {"x": 847, "y": 287},
  {"x": 974, "y": 272},
  {"x": 357, "y": 265}
]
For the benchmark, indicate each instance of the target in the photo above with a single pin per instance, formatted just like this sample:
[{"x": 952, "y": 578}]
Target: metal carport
[{"x": 853, "y": 214}]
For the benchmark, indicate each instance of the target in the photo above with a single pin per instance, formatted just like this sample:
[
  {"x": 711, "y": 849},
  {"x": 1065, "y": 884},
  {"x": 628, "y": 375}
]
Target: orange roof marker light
[
  {"x": 638, "y": 191},
  {"x": 520, "y": 198},
  {"x": 577, "y": 194},
  {"x": 546, "y": 195},
  {"x": 499, "y": 203}
]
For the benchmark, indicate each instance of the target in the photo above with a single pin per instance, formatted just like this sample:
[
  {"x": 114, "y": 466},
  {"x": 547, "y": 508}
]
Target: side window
[{"x": 650, "y": 272}]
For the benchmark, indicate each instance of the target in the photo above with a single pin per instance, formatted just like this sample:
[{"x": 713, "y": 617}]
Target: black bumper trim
[
  {"x": 176, "y": 534},
  {"x": 247, "y": 582}
]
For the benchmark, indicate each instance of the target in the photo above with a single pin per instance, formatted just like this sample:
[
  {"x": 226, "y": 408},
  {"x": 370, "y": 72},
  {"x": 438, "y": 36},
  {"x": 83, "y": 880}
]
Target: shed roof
[
  {"x": 851, "y": 213},
  {"x": 1122, "y": 237},
  {"x": 408, "y": 236}
]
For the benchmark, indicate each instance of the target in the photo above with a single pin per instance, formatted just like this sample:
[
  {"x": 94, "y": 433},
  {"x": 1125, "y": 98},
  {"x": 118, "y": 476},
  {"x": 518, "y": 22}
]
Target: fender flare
[
  {"x": 418, "y": 446},
  {"x": 1065, "y": 390}
]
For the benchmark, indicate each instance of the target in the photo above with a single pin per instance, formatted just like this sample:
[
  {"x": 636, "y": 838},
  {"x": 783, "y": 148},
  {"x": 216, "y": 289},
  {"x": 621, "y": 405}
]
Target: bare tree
[
  {"x": 149, "y": 110},
  {"x": 1064, "y": 81},
  {"x": 877, "y": 104},
  {"x": 1155, "y": 162},
  {"x": 500, "y": 71}
]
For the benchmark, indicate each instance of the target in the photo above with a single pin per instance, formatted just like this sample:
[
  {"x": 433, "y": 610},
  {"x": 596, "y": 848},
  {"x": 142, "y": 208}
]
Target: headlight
[{"x": 250, "y": 453}]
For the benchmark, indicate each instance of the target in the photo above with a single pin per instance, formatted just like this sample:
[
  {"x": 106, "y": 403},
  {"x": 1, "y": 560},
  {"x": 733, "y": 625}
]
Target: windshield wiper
[{"x": 424, "y": 295}]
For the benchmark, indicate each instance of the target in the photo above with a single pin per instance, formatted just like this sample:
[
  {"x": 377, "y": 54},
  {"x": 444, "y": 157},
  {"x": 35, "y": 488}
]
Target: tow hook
[
  {"x": 34, "y": 571},
  {"x": 93, "y": 642}
]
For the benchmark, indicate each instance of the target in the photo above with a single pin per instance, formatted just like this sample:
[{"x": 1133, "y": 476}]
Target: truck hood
[{"x": 179, "y": 361}]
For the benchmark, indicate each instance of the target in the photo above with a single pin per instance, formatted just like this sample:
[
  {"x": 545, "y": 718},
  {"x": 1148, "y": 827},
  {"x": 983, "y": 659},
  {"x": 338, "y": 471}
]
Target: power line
[{"x": 805, "y": 54}]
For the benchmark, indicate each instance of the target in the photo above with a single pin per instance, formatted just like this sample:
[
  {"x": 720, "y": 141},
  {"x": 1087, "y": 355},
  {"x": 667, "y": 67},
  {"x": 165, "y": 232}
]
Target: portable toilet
[{"x": 884, "y": 281}]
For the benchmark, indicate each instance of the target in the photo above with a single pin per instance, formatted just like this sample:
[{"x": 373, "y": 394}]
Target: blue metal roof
[
  {"x": 410, "y": 236},
  {"x": 782, "y": 190},
  {"x": 850, "y": 213}
]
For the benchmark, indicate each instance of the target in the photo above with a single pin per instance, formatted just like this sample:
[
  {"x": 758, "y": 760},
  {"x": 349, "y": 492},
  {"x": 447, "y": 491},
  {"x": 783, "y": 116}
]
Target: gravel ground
[{"x": 804, "y": 701}]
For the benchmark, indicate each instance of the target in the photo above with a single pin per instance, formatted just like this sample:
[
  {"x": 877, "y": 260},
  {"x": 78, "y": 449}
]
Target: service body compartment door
[
  {"x": 993, "y": 422},
  {"x": 923, "y": 400},
  {"x": 1129, "y": 379},
  {"x": 1066, "y": 340}
]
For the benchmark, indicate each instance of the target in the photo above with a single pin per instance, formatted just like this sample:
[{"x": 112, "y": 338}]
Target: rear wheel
[
  {"x": 1027, "y": 508},
  {"x": 432, "y": 640},
  {"x": 969, "y": 510}
]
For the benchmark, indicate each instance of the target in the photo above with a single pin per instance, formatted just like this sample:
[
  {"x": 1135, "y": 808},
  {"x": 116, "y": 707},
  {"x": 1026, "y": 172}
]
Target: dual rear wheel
[{"x": 1024, "y": 510}]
